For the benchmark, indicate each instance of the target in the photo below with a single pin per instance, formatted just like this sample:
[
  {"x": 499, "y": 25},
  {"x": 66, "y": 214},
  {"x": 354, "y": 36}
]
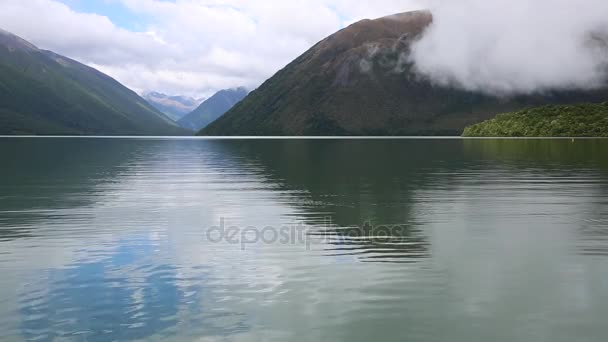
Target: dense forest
[{"x": 582, "y": 120}]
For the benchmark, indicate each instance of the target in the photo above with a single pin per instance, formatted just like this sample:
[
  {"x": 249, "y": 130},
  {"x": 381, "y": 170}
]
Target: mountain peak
[
  {"x": 361, "y": 81},
  {"x": 53, "y": 94},
  {"x": 14, "y": 42},
  {"x": 175, "y": 106},
  {"x": 213, "y": 108},
  {"x": 239, "y": 90},
  {"x": 406, "y": 16},
  {"x": 154, "y": 94}
]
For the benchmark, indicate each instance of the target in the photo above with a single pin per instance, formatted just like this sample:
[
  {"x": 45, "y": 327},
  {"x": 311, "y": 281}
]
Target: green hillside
[
  {"x": 581, "y": 120},
  {"x": 359, "y": 81},
  {"x": 45, "y": 93}
]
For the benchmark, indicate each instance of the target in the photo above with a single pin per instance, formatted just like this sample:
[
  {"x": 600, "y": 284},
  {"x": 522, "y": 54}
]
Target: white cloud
[
  {"x": 190, "y": 47},
  {"x": 194, "y": 47},
  {"x": 89, "y": 37},
  {"x": 515, "y": 46}
]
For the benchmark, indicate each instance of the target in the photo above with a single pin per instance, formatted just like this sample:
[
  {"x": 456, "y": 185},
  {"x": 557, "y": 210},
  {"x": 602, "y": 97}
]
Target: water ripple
[{"x": 110, "y": 239}]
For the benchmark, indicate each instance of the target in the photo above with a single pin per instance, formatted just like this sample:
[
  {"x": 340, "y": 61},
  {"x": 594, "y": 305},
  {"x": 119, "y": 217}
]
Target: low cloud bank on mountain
[{"x": 508, "y": 47}]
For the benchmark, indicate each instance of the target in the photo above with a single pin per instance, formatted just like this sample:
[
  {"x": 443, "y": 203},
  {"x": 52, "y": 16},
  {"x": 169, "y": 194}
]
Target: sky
[
  {"x": 186, "y": 47},
  {"x": 197, "y": 47}
]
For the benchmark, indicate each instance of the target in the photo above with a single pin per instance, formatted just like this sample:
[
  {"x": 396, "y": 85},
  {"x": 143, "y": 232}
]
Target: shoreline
[{"x": 290, "y": 137}]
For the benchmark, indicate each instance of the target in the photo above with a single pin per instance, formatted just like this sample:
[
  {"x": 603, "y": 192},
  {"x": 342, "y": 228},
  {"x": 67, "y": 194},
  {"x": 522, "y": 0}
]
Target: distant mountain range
[
  {"x": 213, "y": 108},
  {"x": 359, "y": 81},
  {"x": 175, "y": 107},
  {"x": 42, "y": 92}
]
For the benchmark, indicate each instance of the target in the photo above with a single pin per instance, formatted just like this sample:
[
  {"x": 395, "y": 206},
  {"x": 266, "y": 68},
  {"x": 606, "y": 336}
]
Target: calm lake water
[{"x": 303, "y": 240}]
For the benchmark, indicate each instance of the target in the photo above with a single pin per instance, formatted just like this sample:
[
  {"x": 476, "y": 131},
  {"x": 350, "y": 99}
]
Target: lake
[{"x": 303, "y": 240}]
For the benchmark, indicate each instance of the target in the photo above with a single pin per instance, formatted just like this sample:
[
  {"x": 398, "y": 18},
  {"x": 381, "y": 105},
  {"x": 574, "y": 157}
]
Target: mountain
[
  {"x": 582, "y": 120},
  {"x": 42, "y": 92},
  {"x": 175, "y": 107},
  {"x": 359, "y": 81},
  {"x": 213, "y": 108}
]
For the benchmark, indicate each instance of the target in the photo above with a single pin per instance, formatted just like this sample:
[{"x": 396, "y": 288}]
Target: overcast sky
[
  {"x": 196, "y": 47},
  {"x": 186, "y": 47}
]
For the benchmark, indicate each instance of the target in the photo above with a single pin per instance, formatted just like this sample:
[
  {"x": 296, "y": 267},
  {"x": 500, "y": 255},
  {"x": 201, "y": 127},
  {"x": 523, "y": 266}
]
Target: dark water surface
[{"x": 303, "y": 240}]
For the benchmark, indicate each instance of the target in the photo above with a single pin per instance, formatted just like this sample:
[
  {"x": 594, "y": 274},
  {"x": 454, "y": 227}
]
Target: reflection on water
[
  {"x": 471, "y": 240},
  {"x": 122, "y": 296}
]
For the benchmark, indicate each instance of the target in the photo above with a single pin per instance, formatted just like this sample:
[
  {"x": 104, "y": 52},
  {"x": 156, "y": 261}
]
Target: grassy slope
[
  {"x": 44, "y": 93},
  {"x": 582, "y": 120}
]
